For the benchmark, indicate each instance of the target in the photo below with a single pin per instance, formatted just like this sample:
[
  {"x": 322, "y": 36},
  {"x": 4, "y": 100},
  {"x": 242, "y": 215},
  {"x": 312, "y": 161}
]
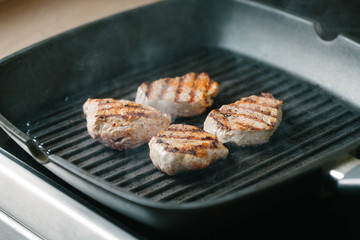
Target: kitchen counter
[{"x": 25, "y": 22}]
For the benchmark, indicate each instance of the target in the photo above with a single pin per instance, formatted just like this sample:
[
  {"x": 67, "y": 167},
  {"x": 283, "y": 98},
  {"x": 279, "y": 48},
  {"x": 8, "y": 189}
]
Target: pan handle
[
  {"x": 347, "y": 176},
  {"x": 23, "y": 140}
]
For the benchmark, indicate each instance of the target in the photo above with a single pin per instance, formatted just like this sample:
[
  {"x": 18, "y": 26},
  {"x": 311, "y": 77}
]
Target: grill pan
[{"x": 247, "y": 47}]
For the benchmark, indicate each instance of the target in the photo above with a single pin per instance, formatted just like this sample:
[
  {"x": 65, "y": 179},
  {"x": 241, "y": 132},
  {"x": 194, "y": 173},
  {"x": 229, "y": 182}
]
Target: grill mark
[
  {"x": 248, "y": 116},
  {"x": 211, "y": 84},
  {"x": 214, "y": 116},
  {"x": 207, "y": 86},
  {"x": 267, "y": 113},
  {"x": 165, "y": 87},
  {"x": 251, "y": 127},
  {"x": 185, "y": 130},
  {"x": 193, "y": 89},
  {"x": 129, "y": 115},
  {"x": 206, "y": 141},
  {"x": 190, "y": 151},
  {"x": 103, "y": 116},
  {"x": 149, "y": 88},
  {"x": 179, "y": 89},
  {"x": 189, "y": 137},
  {"x": 193, "y": 150},
  {"x": 121, "y": 107},
  {"x": 245, "y": 125},
  {"x": 266, "y": 104}
]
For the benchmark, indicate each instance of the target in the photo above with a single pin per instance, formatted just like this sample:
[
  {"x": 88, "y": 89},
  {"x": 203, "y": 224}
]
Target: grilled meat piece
[
  {"x": 251, "y": 120},
  {"x": 122, "y": 124},
  {"x": 184, "y": 147},
  {"x": 184, "y": 96}
]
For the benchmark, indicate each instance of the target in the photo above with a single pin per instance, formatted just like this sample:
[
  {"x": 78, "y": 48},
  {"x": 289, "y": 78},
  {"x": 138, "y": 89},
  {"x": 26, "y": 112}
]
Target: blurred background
[
  {"x": 334, "y": 16},
  {"x": 24, "y": 22}
]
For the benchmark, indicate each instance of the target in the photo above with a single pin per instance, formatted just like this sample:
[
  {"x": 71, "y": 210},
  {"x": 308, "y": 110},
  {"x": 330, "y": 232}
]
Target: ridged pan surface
[{"x": 314, "y": 122}]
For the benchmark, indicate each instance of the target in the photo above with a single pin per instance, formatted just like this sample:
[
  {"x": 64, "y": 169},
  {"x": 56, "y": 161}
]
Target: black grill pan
[{"x": 45, "y": 86}]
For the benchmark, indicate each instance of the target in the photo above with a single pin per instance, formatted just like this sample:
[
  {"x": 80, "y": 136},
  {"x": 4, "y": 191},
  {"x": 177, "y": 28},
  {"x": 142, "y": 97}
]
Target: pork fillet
[
  {"x": 184, "y": 96},
  {"x": 251, "y": 120},
  {"x": 184, "y": 147},
  {"x": 122, "y": 124}
]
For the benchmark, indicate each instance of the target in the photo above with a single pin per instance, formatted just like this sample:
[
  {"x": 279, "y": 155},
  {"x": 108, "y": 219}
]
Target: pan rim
[
  {"x": 186, "y": 206},
  {"x": 322, "y": 163}
]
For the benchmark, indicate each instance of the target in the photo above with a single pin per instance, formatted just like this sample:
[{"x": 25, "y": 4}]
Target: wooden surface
[{"x": 24, "y": 22}]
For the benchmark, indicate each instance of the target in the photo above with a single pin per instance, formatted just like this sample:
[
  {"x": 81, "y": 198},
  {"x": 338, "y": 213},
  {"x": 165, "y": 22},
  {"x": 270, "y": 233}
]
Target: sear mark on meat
[
  {"x": 251, "y": 120},
  {"x": 122, "y": 124},
  {"x": 184, "y": 147},
  {"x": 184, "y": 96}
]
